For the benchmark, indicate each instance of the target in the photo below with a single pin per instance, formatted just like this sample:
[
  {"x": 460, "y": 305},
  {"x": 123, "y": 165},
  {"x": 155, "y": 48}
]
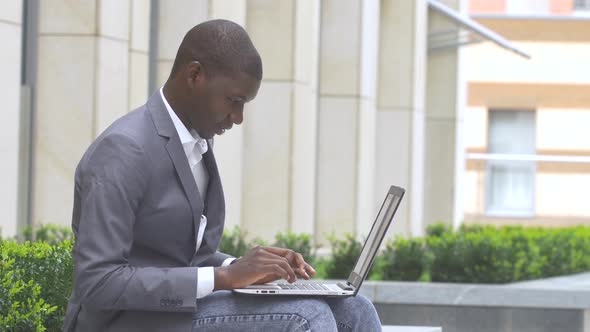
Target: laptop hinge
[{"x": 348, "y": 287}]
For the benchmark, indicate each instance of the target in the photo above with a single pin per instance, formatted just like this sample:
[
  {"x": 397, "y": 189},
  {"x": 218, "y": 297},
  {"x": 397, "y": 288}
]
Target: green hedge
[
  {"x": 36, "y": 284},
  {"x": 472, "y": 254},
  {"x": 234, "y": 243},
  {"x": 405, "y": 260},
  {"x": 36, "y": 278},
  {"x": 52, "y": 234},
  {"x": 485, "y": 254}
]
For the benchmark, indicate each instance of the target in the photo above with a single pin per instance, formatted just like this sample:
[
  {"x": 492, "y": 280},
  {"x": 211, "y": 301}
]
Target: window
[
  {"x": 528, "y": 7},
  {"x": 510, "y": 182}
]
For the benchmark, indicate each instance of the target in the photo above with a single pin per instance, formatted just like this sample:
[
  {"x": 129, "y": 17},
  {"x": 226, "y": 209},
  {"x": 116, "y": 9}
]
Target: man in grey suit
[{"x": 149, "y": 212}]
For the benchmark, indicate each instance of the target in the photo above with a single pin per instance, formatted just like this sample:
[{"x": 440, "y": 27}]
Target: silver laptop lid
[{"x": 375, "y": 237}]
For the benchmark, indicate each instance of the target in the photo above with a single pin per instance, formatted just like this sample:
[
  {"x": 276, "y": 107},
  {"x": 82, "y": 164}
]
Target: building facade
[
  {"x": 355, "y": 97},
  {"x": 528, "y": 147}
]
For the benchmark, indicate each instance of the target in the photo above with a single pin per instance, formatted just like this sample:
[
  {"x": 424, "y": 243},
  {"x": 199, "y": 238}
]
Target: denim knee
[
  {"x": 364, "y": 304},
  {"x": 317, "y": 312},
  {"x": 366, "y": 312},
  {"x": 355, "y": 314}
]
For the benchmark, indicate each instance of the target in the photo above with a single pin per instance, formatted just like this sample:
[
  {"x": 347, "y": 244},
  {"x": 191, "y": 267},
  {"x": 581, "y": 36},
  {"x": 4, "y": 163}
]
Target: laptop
[{"x": 360, "y": 270}]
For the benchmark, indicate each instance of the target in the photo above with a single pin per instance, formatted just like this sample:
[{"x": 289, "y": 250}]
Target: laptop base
[{"x": 298, "y": 288}]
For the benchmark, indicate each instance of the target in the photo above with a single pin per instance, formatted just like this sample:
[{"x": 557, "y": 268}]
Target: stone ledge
[
  {"x": 557, "y": 304},
  {"x": 580, "y": 281},
  {"x": 522, "y": 295}
]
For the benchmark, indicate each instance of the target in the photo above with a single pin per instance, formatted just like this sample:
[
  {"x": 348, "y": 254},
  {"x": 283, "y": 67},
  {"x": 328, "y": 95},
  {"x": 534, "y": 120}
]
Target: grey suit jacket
[{"x": 136, "y": 214}]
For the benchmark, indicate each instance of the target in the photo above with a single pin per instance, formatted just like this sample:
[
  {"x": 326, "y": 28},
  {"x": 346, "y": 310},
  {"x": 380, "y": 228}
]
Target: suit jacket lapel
[{"x": 165, "y": 128}]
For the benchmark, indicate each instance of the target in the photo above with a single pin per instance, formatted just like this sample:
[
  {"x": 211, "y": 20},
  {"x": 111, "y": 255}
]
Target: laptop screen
[{"x": 373, "y": 242}]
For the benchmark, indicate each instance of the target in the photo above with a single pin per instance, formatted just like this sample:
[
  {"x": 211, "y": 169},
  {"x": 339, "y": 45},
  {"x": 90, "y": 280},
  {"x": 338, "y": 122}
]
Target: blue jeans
[{"x": 226, "y": 311}]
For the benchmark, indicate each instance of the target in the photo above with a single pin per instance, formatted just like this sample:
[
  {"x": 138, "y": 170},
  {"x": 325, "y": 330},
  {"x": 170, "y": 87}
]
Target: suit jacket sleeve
[
  {"x": 216, "y": 259},
  {"x": 110, "y": 183}
]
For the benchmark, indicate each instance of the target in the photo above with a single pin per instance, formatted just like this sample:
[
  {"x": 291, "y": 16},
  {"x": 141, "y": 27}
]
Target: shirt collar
[
  {"x": 188, "y": 139},
  {"x": 183, "y": 133}
]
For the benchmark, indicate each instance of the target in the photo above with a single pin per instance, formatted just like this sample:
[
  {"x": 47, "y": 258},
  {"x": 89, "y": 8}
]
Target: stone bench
[
  {"x": 548, "y": 305},
  {"x": 394, "y": 328}
]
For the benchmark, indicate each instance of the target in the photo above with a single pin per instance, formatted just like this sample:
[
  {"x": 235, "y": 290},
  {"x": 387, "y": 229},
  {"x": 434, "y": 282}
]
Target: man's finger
[
  {"x": 273, "y": 252},
  {"x": 295, "y": 258},
  {"x": 278, "y": 251},
  {"x": 283, "y": 265},
  {"x": 306, "y": 271},
  {"x": 300, "y": 263}
]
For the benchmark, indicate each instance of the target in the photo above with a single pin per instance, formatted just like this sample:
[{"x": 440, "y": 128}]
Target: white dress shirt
[{"x": 194, "y": 147}]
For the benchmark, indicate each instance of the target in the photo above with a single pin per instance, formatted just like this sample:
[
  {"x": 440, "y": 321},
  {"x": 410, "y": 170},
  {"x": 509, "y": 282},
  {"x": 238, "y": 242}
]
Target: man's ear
[{"x": 195, "y": 73}]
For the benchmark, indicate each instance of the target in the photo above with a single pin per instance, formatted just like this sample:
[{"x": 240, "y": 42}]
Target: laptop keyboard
[{"x": 303, "y": 286}]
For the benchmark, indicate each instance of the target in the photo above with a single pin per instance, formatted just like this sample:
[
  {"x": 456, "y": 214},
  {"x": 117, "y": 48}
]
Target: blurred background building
[
  {"x": 357, "y": 95},
  {"x": 526, "y": 121}
]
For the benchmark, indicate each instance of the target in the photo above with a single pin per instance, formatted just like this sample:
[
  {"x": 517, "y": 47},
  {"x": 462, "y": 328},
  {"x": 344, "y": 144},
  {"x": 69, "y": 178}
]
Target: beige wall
[
  {"x": 345, "y": 91},
  {"x": 401, "y": 109},
  {"x": 563, "y": 194},
  {"x": 351, "y": 184},
  {"x": 554, "y": 84},
  {"x": 563, "y": 129},
  {"x": 530, "y": 95},
  {"x": 280, "y": 178},
  {"x": 476, "y": 128},
  {"x": 79, "y": 92},
  {"x": 539, "y": 28},
  {"x": 340, "y": 115},
  {"x": 139, "y": 40},
  {"x": 551, "y": 62}
]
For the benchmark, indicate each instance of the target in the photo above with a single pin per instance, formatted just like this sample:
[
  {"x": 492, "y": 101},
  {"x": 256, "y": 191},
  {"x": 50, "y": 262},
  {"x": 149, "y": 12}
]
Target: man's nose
[{"x": 237, "y": 117}]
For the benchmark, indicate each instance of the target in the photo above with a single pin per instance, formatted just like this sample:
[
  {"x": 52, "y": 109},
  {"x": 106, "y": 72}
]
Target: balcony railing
[{"x": 528, "y": 157}]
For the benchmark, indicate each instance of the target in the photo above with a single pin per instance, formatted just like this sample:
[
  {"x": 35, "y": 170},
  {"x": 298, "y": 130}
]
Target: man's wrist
[{"x": 222, "y": 278}]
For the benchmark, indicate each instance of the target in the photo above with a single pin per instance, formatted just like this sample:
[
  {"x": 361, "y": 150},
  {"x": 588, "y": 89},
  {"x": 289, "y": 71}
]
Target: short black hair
[{"x": 221, "y": 46}]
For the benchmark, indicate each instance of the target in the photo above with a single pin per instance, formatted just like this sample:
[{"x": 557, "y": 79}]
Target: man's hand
[{"x": 261, "y": 265}]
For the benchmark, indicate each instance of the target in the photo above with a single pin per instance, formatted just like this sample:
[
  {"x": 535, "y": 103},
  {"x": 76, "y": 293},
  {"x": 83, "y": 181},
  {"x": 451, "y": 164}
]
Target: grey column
[
  {"x": 139, "y": 40},
  {"x": 280, "y": 125},
  {"x": 347, "y": 117},
  {"x": 445, "y": 152},
  {"x": 80, "y": 91},
  {"x": 400, "y": 125},
  {"x": 10, "y": 67},
  {"x": 175, "y": 18}
]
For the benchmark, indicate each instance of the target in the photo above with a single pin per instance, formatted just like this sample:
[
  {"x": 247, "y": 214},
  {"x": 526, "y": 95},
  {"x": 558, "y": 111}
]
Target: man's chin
[
  {"x": 219, "y": 132},
  {"x": 207, "y": 134}
]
